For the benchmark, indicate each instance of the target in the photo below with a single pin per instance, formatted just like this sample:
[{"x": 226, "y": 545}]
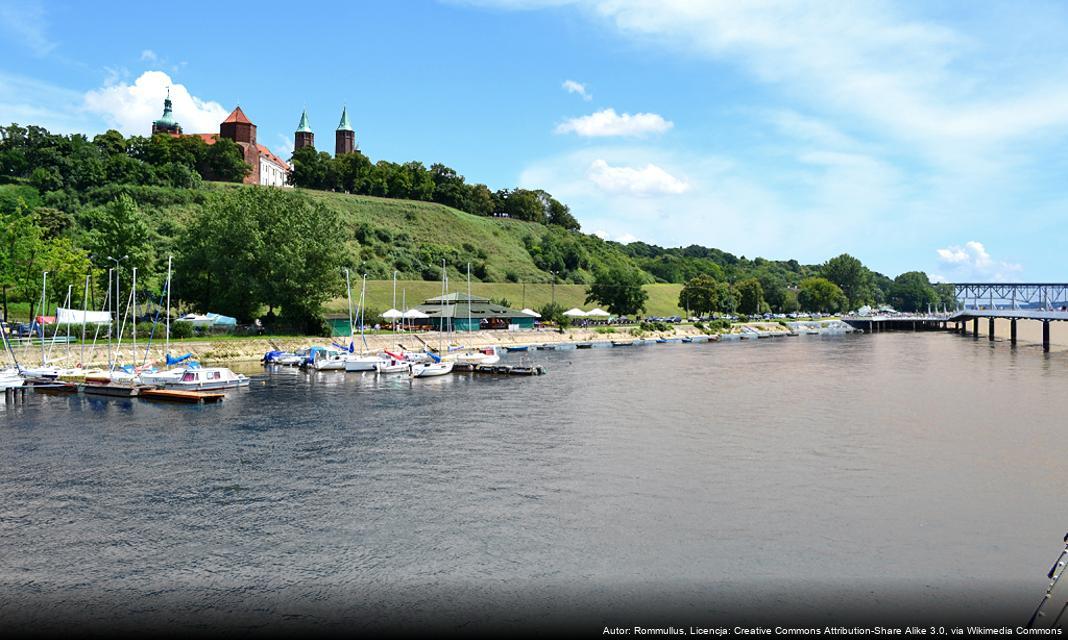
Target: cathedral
[
  {"x": 267, "y": 168},
  {"x": 344, "y": 136}
]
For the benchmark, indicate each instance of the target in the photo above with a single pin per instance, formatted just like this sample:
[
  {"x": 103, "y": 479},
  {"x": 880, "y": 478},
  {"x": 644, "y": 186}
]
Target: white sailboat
[
  {"x": 363, "y": 361},
  {"x": 439, "y": 366}
]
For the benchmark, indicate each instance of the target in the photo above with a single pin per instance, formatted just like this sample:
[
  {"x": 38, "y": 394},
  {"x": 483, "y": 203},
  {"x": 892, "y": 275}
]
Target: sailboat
[
  {"x": 437, "y": 366},
  {"x": 355, "y": 362}
]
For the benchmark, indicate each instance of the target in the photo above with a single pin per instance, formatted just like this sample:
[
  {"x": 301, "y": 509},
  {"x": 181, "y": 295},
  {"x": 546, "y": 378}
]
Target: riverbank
[{"x": 252, "y": 349}]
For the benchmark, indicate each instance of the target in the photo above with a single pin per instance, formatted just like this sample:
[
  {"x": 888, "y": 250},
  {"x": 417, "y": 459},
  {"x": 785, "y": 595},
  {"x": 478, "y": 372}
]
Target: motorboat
[
  {"x": 513, "y": 349},
  {"x": 393, "y": 366},
  {"x": 487, "y": 355},
  {"x": 430, "y": 369},
  {"x": 327, "y": 359},
  {"x": 208, "y": 378}
]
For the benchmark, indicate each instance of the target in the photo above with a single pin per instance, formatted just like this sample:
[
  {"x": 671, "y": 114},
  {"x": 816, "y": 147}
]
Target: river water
[{"x": 908, "y": 476}]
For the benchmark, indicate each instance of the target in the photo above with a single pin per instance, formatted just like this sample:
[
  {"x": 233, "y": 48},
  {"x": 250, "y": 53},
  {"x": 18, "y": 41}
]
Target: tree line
[{"x": 355, "y": 173}]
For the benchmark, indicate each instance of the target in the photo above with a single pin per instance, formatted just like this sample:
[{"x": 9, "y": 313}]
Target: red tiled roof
[
  {"x": 237, "y": 115},
  {"x": 273, "y": 158}
]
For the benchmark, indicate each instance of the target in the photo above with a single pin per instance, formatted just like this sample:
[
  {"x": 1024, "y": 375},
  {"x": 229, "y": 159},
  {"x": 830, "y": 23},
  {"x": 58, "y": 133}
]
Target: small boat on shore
[
  {"x": 622, "y": 343},
  {"x": 584, "y": 345},
  {"x": 514, "y": 349}
]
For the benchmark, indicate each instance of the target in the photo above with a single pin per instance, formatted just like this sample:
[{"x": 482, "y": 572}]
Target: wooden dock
[
  {"x": 501, "y": 369},
  {"x": 177, "y": 395}
]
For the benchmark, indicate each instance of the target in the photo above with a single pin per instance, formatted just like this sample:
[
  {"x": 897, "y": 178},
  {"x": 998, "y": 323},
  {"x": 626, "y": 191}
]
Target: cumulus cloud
[
  {"x": 131, "y": 108},
  {"x": 572, "y": 86},
  {"x": 972, "y": 261},
  {"x": 644, "y": 181},
  {"x": 608, "y": 123},
  {"x": 148, "y": 55}
]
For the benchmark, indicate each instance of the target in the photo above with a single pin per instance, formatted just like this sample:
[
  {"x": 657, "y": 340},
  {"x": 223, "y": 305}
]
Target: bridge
[{"x": 1038, "y": 302}]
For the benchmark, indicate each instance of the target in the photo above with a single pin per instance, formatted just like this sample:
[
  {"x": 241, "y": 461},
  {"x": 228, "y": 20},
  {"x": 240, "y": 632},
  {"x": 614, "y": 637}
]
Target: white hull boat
[
  {"x": 208, "y": 379},
  {"x": 422, "y": 370},
  {"x": 393, "y": 367},
  {"x": 361, "y": 363}
]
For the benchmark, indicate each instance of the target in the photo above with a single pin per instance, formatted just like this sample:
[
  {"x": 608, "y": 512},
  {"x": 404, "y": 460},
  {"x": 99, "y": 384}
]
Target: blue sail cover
[
  {"x": 171, "y": 360},
  {"x": 433, "y": 357}
]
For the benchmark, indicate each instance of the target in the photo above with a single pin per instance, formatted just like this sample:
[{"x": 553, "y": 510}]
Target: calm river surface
[{"x": 667, "y": 484}]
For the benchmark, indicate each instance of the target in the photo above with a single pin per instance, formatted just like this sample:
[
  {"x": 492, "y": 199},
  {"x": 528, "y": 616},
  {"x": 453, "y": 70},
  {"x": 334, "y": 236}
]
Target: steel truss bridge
[{"x": 995, "y": 295}]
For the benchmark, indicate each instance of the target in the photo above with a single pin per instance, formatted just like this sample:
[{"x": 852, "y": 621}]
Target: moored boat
[{"x": 208, "y": 378}]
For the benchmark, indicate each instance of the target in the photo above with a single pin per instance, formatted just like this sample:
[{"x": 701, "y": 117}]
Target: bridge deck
[{"x": 1009, "y": 314}]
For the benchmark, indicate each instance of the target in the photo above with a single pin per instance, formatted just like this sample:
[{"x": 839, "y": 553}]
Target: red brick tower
[{"x": 345, "y": 137}]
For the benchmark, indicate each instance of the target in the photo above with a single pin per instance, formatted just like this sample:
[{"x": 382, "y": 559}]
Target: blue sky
[{"x": 913, "y": 135}]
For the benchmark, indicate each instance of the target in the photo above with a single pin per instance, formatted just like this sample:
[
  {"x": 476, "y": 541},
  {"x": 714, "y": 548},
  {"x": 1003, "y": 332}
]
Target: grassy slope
[{"x": 500, "y": 238}]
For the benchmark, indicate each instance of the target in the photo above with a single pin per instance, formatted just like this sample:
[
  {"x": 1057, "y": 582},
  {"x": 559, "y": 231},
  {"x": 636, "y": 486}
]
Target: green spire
[
  {"x": 168, "y": 115},
  {"x": 303, "y": 126},
  {"x": 344, "y": 126}
]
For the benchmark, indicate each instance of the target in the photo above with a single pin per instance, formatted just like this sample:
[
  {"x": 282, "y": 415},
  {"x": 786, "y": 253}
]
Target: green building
[{"x": 459, "y": 312}]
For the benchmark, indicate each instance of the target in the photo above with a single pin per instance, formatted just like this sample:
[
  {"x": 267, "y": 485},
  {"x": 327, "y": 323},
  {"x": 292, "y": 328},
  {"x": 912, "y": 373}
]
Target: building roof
[
  {"x": 238, "y": 116},
  {"x": 303, "y": 126},
  {"x": 344, "y": 124},
  {"x": 454, "y": 297},
  {"x": 167, "y": 119},
  {"x": 479, "y": 310},
  {"x": 264, "y": 151}
]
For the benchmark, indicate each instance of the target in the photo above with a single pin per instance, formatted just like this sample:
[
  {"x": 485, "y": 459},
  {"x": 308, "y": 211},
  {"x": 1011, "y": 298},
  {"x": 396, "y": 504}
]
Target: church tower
[
  {"x": 167, "y": 123},
  {"x": 238, "y": 128},
  {"x": 303, "y": 136},
  {"x": 345, "y": 137}
]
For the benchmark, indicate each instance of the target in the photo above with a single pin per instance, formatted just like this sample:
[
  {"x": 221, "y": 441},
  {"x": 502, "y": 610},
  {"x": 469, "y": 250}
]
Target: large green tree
[
  {"x": 912, "y": 291},
  {"x": 704, "y": 295},
  {"x": 820, "y": 294},
  {"x": 750, "y": 295},
  {"x": 852, "y": 277},
  {"x": 254, "y": 248},
  {"x": 619, "y": 289}
]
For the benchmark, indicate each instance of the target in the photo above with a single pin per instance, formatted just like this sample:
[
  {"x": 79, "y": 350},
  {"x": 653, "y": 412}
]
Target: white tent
[
  {"x": 414, "y": 314},
  {"x": 575, "y": 313},
  {"x": 392, "y": 314},
  {"x": 531, "y": 312},
  {"x": 76, "y": 316},
  {"x": 597, "y": 312}
]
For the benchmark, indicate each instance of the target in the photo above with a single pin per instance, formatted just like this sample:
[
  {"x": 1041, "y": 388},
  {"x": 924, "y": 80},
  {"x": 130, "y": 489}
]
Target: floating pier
[
  {"x": 501, "y": 369},
  {"x": 177, "y": 395}
]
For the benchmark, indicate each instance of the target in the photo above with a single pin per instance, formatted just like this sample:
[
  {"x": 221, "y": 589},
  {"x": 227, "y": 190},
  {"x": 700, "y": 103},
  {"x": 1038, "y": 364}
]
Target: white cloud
[
  {"x": 148, "y": 55},
  {"x": 608, "y": 123},
  {"x": 131, "y": 108},
  {"x": 572, "y": 86},
  {"x": 601, "y": 233},
  {"x": 626, "y": 238},
  {"x": 972, "y": 261},
  {"x": 645, "y": 181}
]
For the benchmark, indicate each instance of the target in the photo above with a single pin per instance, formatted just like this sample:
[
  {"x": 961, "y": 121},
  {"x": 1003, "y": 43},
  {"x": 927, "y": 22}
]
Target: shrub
[
  {"x": 605, "y": 330},
  {"x": 181, "y": 329}
]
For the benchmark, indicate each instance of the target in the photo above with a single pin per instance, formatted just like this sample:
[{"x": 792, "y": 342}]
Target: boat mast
[
  {"x": 85, "y": 311},
  {"x": 363, "y": 313},
  {"x": 469, "y": 297},
  {"x": 44, "y": 282},
  {"x": 167, "y": 339},
  {"x": 70, "y": 302},
  {"x": 111, "y": 329},
  {"x": 348, "y": 292},
  {"x": 133, "y": 302}
]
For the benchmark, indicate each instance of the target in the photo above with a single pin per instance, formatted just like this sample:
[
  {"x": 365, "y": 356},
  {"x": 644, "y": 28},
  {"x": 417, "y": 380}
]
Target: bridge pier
[
  {"x": 1045, "y": 335},
  {"x": 975, "y": 328},
  {"x": 1012, "y": 331},
  {"x": 962, "y": 327},
  {"x": 990, "y": 330}
]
